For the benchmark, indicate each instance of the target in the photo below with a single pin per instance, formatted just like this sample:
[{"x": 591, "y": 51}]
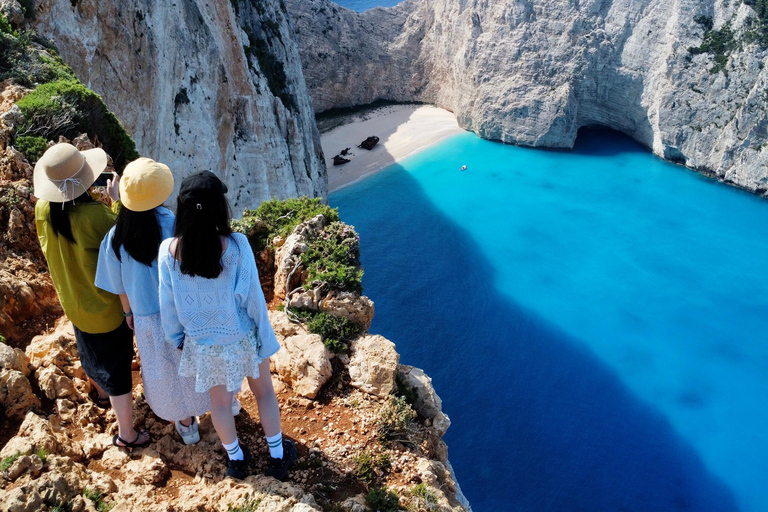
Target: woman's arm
[
  {"x": 127, "y": 313},
  {"x": 174, "y": 331}
]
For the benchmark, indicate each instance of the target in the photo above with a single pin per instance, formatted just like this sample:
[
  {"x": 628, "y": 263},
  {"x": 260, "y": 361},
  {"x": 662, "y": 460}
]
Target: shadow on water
[
  {"x": 600, "y": 140},
  {"x": 539, "y": 423}
]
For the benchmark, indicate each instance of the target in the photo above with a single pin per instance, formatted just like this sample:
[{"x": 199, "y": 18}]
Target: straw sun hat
[
  {"x": 145, "y": 184},
  {"x": 64, "y": 173}
]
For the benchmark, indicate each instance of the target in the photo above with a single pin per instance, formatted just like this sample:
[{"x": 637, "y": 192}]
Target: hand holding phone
[{"x": 103, "y": 178}]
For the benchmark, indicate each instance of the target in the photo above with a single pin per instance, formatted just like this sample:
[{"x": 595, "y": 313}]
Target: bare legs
[
  {"x": 269, "y": 410},
  {"x": 123, "y": 407}
]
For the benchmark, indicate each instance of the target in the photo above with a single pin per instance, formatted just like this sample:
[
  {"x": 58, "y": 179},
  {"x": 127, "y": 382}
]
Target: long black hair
[
  {"x": 199, "y": 224},
  {"x": 139, "y": 233},
  {"x": 60, "y": 215}
]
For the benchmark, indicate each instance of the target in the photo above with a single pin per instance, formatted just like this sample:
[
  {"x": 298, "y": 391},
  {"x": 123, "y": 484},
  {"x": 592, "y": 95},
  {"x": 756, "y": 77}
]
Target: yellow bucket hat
[
  {"x": 145, "y": 184},
  {"x": 64, "y": 173}
]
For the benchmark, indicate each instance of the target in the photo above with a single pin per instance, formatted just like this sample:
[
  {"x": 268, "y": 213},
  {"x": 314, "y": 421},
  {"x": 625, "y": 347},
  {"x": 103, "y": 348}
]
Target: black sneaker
[
  {"x": 237, "y": 468},
  {"x": 278, "y": 468}
]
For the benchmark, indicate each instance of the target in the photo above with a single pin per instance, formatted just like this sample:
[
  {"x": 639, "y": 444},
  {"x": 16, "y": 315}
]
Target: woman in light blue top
[
  {"x": 213, "y": 309},
  {"x": 128, "y": 267}
]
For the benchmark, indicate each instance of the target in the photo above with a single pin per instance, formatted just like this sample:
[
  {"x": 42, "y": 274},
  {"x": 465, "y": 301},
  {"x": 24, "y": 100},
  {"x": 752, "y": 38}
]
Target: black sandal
[{"x": 134, "y": 443}]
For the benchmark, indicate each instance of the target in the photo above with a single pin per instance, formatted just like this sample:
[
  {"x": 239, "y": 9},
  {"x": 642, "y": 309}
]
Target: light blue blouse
[
  {"x": 128, "y": 276},
  {"x": 216, "y": 311}
]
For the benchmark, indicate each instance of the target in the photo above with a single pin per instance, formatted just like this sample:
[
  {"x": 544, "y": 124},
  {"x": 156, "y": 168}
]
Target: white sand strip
[{"x": 402, "y": 129}]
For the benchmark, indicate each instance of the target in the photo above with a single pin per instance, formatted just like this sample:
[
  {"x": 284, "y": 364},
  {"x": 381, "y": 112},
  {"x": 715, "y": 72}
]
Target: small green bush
[
  {"x": 396, "y": 421},
  {"x": 421, "y": 499},
  {"x": 336, "y": 331},
  {"x": 380, "y": 499},
  {"x": 5, "y": 26},
  {"x": 7, "y": 462},
  {"x": 67, "y": 108},
  {"x": 249, "y": 505},
  {"x": 43, "y": 454},
  {"x": 333, "y": 259},
  {"x": 279, "y": 218},
  {"x": 366, "y": 464},
  {"x": 93, "y": 494},
  {"x": 32, "y": 146}
]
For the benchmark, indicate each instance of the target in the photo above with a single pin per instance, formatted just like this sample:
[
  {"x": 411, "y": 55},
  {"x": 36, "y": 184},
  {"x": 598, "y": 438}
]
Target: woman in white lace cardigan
[{"x": 213, "y": 309}]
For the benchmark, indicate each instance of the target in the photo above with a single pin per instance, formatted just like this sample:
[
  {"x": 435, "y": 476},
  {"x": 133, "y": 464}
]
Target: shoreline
[{"x": 403, "y": 130}]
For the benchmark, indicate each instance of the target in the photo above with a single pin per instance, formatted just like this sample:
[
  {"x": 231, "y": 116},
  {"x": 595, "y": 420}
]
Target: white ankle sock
[
  {"x": 275, "y": 444},
  {"x": 234, "y": 451}
]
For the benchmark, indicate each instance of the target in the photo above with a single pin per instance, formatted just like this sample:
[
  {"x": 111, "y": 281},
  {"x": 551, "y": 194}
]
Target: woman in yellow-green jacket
[{"x": 71, "y": 226}]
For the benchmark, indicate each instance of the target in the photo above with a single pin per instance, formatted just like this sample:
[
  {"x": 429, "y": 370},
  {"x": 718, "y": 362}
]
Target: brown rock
[{"x": 16, "y": 394}]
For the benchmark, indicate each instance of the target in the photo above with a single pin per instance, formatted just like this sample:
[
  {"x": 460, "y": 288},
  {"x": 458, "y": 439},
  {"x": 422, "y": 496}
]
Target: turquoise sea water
[
  {"x": 364, "y": 5},
  {"x": 595, "y": 321}
]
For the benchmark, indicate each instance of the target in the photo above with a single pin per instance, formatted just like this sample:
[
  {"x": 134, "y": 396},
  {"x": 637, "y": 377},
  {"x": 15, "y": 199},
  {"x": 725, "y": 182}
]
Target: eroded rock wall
[
  {"x": 200, "y": 85},
  {"x": 533, "y": 72}
]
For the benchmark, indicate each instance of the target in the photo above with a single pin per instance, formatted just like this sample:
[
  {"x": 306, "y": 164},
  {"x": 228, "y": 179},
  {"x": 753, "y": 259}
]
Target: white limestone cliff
[
  {"x": 200, "y": 85},
  {"x": 534, "y": 72}
]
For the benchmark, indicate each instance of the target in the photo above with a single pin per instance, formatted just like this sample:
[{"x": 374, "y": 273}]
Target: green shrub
[
  {"x": 5, "y": 26},
  {"x": 7, "y": 462},
  {"x": 67, "y": 108},
  {"x": 249, "y": 505},
  {"x": 333, "y": 259},
  {"x": 279, "y": 218},
  {"x": 43, "y": 454},
  {"x": 381, "y": 500},
  {"x": 421, "y": 499},
  {"x": 366, "y": 464},
  {"x": 396, "y": 421},
  {"x": 32, "y": 146},
  {"x": 719, "y": 43},
  {"x": 336, "y": 331}
]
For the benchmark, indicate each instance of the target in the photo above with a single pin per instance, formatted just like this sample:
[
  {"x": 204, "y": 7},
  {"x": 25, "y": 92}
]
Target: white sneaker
[
  {"x": 190, "y": 434},
  {"x": 235, "y": 406}
]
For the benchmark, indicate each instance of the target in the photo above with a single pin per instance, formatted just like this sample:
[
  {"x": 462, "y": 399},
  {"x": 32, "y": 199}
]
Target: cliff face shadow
[{"x": 539, "y": 423}]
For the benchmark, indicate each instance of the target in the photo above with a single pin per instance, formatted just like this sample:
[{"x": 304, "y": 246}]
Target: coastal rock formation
[
  {"x": 200, "y": 85},
  {"x": 27, "y": 294},
  {"x": 533, "y": 73}
]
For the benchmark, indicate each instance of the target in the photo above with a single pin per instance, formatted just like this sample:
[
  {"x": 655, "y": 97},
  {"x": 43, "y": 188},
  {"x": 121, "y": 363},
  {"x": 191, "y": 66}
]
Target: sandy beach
[{"x": 402, "y": 129}]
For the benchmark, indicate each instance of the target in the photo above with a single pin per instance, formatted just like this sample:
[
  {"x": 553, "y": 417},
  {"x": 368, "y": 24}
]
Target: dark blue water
[{"x": 595, "y": 321}]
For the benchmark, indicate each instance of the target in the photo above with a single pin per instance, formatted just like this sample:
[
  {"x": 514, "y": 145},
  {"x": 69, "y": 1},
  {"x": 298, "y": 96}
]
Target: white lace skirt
[
  {"x": 169, "y": 396},
  {"x": 214, "y": 365}
]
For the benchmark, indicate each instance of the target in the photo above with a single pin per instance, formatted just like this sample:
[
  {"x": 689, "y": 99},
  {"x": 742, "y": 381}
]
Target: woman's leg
[
  {"x": 123, "y": 407},
  {"x": 221, "y": 414},
  {"x": 99, "y": 390},
  {"x": 269, "y": 410}
]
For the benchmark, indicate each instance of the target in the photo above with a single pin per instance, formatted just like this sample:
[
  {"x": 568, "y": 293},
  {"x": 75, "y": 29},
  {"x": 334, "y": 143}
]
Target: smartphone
[{"x": 101, "y": 181}]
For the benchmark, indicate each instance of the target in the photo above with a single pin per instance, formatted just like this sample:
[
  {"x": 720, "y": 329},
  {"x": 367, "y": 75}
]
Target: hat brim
[{"x": 95, "y": 163}]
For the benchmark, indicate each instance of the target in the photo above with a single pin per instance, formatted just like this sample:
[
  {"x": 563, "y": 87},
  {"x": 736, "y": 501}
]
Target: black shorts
[{"x": 107, "y": 357}]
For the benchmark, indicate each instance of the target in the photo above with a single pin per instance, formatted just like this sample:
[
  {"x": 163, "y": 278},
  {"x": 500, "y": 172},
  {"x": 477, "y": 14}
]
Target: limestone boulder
[
  {"x": 16, "y": 395},
  {"x": 12, "y": 11},
  {"x": 58, "y": 348},
  {"x": 147, "y": 470},
  {"x": 427, "y": 403},
  {"x": 353, "y": 307},
  {"x": 282, "y": 325},
  {"x": 304, "y": 363},
  {"x": 13, "y": 359},
  {"x": 54, "y": 383},
  {"x": 35, "y": 433},
  {"x": 373, "y": 364}
]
